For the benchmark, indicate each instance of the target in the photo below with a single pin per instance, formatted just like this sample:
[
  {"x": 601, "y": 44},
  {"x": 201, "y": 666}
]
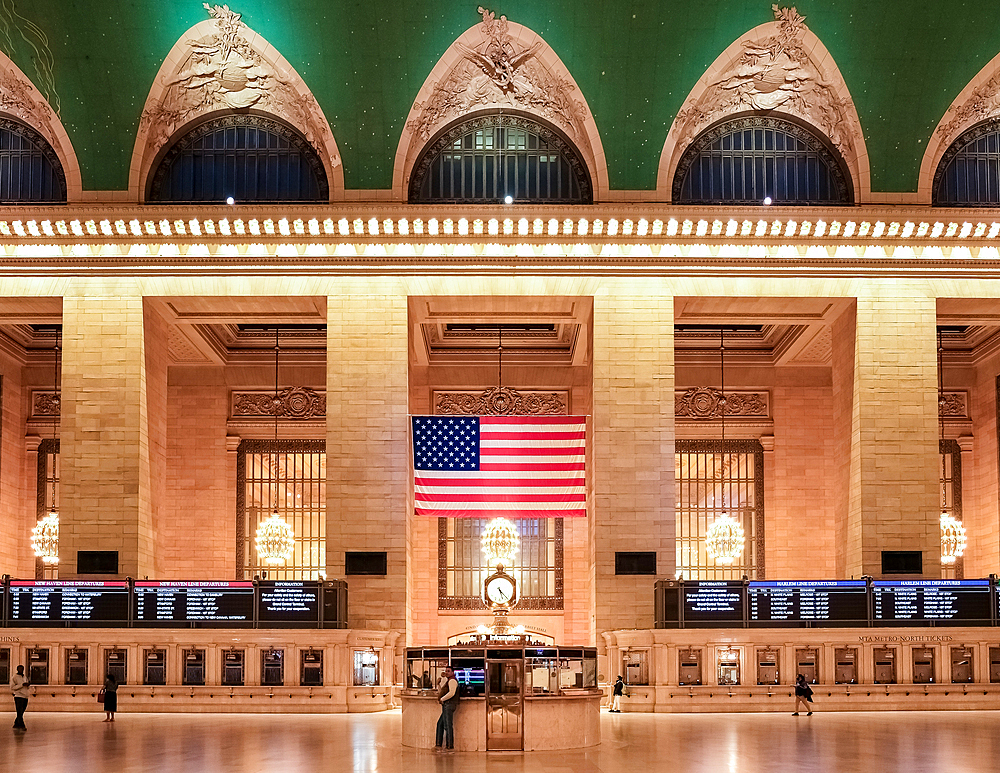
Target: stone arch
[
  {"x": 778, "y": 68},
  {"x": 977, "y": 103},
  {"x": 498, "y": 65},
  {"x": 20, "y": 99},
  {"x": 218, "y": 65}
]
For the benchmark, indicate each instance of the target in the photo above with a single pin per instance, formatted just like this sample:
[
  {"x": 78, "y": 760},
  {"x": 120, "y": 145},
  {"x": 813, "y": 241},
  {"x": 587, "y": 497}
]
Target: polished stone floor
[{"x": 886, "y": 742}]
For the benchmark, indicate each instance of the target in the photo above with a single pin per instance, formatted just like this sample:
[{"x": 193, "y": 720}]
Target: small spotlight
[
  {"x": 767, "y": 201},
  {"x": 230, "y": 201},
  {"x": 508, "y": 199}
]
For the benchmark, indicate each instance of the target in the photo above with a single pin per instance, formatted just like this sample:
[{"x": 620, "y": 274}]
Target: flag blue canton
[{"x": 446, "y": 443}]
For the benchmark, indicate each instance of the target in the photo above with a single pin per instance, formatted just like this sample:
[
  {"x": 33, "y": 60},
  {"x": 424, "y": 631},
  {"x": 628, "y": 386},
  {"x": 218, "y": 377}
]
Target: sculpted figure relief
[
  {"x": 774, "y": 74},
  {"x": 495, "y": 74}
]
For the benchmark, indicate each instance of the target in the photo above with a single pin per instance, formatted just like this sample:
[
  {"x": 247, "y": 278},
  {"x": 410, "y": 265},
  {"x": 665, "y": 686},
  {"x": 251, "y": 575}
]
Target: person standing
[
  {"x": 110, "y": 697},
  {"x": 448, "y": 697},
  {"x": 803, "y": 695},
  {"x": 19, "y": 689},
  {"x": 616, "y": 703}
]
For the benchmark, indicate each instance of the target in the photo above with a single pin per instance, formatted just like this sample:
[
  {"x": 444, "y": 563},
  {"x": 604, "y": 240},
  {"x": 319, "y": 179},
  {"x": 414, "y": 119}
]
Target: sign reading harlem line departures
[
  {"x": 943, "y": 602},
  {"x": 792, "y": 603}
]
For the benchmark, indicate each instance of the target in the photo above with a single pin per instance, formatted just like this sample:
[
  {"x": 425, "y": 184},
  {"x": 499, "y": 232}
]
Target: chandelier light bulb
[
  {"x": 275, "y": 540},
  {"x": 724, "y": 540},
  {"x": 952, "y": 539},
  {"x": 500, "y": 542},
  {"x": 45, "y": 539}
]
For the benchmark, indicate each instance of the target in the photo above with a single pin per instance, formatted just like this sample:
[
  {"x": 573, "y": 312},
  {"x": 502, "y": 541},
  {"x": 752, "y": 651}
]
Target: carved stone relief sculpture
[
  {"x": 290, "y": 403},
  {"x": 702, "y": 403}
]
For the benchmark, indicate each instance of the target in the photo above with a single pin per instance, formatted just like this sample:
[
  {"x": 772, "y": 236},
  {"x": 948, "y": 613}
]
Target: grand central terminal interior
[{"x": 713, "y": 290}]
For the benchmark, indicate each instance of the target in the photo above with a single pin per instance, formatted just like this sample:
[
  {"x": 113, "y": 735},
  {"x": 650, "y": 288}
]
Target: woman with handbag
[
  {"x": 110, "y": 696},
  {"x": 803, "y": 695}
]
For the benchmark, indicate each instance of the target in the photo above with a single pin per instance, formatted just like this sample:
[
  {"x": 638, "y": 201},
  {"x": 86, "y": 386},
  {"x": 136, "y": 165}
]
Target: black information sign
[
  {"x": 807, "y": 603},
  {"x": 67, "y": 602},
  {"x": 709, "y": 603},
  {"x": 203, "y": 603},
  {"x": 931, "y": 602},
  {"x": 292, "y": 602}
]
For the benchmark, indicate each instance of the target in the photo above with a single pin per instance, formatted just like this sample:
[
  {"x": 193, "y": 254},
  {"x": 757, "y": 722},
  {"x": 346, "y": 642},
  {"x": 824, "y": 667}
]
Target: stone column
[
  {"x": 366, "y": 450},
  {"x": 632, "y": 446},
  {"x": 113, "y": 392},
  {"x": 885, "y": 395}
]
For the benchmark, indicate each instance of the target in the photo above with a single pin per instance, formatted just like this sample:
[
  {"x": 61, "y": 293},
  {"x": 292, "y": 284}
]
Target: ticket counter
[{"x": 515, "y": 698}]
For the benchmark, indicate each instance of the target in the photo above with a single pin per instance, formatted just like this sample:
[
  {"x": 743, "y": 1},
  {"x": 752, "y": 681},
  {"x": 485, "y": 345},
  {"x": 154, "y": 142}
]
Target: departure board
[
  {"x": 67, "y": 602},
  {"x": 807, "y": 603},
  {"x": 931, "y": 602},
  {"x": 292, "y": 602},
  {"x": 710, "y": 603},
  {"x": 201, "y": 603}
]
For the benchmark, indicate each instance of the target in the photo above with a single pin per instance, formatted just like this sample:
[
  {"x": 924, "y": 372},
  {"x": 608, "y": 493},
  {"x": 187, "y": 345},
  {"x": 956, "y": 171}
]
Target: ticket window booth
[
  {"x": 194, "y": 667},
  {"x": 846, "y": 669},
  {"x": 504, "y": 700},
  {"x": 689, "y": 666},
  {"x": 962, "y": 665},
  {"x": 994, "y": 665},
  {"x": 807, "y": 664},
  {"x": 232, "y": 668},
  {"x": 272, "y": 665},
  {"x": 38, "y": 666},
  {"x": 76, "y": 666},
  {"x": 636, "y": 663},
  {"x": 885, "y": 665},
  {"x": 4, "y": 665},
  {"x": 728, "y": 661},
  {"x": 365, "y": 668},
  {"x": 312, "y": 669},
  {"x": 767, "y": 666},
  {"x": 116, "y": 664},
  {"x": 154, "y": 667},
  {"x": 923, "y": 665}
]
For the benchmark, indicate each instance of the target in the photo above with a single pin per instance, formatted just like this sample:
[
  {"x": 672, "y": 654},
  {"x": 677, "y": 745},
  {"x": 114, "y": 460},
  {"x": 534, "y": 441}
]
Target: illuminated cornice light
[
  {"x": 275, "y": 540},
  {"x": 500, "y": 542},
  {"x": 45, "y": 539},
  {"x": 952, "y": 539},
  {"x": 724, "y": 540}
]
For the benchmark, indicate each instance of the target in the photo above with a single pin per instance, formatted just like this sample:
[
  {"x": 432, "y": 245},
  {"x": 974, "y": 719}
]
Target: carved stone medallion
[{"x": 500, "y": 401}]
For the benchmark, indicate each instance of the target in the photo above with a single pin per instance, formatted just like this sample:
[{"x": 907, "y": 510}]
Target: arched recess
[
  {"x": 978, "y": 103},
  {"x": 21, "y": 101},
  {"x": 780, "y": 67},
  {"x": 222, "y": 65},
  {"x": 494, "y": 66}
]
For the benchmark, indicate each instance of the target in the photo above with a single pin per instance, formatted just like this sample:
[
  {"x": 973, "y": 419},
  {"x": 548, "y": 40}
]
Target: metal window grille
[
  {"x": 47, "y": 496},
  {"x": 968, "y": 174},
  {"x": 711, "y": 479},
  {"x": 537, "y": 565},
  {"x": 289, "y": 475},
  {"x": 490, "y": 157},
  {"x": 745, "y": 160},
  {"x": 30, "y": 170},
  {"x": 248, "y": 157},
  {"x": 951, "y": 497}
]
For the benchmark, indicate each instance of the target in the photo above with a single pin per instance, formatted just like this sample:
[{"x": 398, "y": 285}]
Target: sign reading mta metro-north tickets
[
  {"x": 201, "y": 603},
  {"x": 67, "y": 602}
]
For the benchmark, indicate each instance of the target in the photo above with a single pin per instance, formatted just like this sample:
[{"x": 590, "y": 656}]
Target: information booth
[{"x": 514, "y": 697}]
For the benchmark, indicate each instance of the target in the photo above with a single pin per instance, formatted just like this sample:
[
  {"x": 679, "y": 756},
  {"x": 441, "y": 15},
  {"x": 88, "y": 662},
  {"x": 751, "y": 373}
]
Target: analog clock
[{"x": 500, "y": 590}]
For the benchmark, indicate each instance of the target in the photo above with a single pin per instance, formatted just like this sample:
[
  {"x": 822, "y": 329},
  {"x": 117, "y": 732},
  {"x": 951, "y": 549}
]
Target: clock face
[{"x": 500, "y": 590}]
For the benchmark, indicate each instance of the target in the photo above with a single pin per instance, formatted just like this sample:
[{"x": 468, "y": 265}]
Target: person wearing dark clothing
[
  {"x": 616, "y": 702},
  {"x": 19, "y": 689},
  {"x": 803, "y": 695},
  {"x": 448, "y": 697},
  {"x": 110, "y": 697}
]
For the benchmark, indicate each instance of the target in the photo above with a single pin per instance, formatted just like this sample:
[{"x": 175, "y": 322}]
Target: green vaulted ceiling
[{"x": 904, "y": 62}]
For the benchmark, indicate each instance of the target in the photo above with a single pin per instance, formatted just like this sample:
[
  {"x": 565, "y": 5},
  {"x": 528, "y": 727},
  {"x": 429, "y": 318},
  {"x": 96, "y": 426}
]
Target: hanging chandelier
[
  {"x": 952, "y": 530},
  {"x": 275, "y": 539},
  {"x": 500, "y": 542},
  {"x": 45, "y": 539},
  {"x": 724, "y": 538}
]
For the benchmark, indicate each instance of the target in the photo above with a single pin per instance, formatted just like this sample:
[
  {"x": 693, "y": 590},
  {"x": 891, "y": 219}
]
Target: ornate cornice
[
  {"x": 705, "y": 403},
  {"x": 291, "y": 403},
  {"x": 501, "y": 401}
]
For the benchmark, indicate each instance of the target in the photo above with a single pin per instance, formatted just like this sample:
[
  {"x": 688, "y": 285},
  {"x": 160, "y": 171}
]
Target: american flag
[{"x": 485, "y": 466}]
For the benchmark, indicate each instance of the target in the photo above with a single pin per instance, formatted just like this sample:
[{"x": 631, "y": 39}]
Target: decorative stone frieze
[
  {"x": 703, "y": 403},
  {"x": 45, "y": 404},
  {"x": 953, "y": 405},
  {"x": 501, "y": 401},
  {"x": 292, "y": 403}
]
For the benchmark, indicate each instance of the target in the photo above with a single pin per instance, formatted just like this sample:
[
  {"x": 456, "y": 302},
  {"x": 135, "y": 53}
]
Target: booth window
[
  {"x": 251, "y": 158},
  {"x": 968, "y": 174},
  {"x": 289, "y": 475},
  {"x": 365, "y": 668},
  {"x": 749, "y": 159},
  {"x": 486, "y": 158},
  {"x": 538, "y": 564},
  {"x": 713, "y": 478},
  {"x": 30, "y": 170}
]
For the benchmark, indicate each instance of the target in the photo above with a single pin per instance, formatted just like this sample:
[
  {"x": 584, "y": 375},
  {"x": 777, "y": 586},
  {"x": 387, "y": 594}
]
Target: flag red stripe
[
  {"x": 530, "y": 420},
  {"x": 540, "y": 466},
  {"x": 570, "y": 451},
  {"x": 491, "y": 435},
  {"x": 436, "y": 497},
  {"x": 432, "y": 512},
  {"x": 501, "y": 483}
]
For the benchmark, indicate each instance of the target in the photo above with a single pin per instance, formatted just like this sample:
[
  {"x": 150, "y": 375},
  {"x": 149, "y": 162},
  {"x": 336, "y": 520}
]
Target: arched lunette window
[
  {"x": 30, "y": 171},
  {"x": 749, "y": 159},
  {"x": 245, "y": 156},
  {"x": 968, "y": 174},
  {"x": 486, "y": 158}
]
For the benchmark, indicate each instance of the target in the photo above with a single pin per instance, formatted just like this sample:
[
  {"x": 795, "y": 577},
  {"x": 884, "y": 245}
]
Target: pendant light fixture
[
  {"x": 724, "y": 539},
  {"x": 275, "y": 539},
  {"x": 952, "y": 531},
  {"x": 45, "y": 535}
]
